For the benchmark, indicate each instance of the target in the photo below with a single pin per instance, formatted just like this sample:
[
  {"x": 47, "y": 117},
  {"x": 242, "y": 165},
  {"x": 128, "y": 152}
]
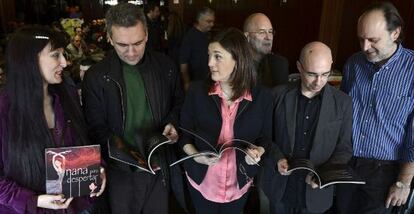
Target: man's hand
[
  {"x": 311, "y": 181},
  {"x": 203, "y": 159},
  {"x": 397, "y": 196},
  {"x": 170, "y": 132},
  {"x": 54, "y": 202},
  {"x": 283, "y": 166},
  {"x": 253, "y": 155}
]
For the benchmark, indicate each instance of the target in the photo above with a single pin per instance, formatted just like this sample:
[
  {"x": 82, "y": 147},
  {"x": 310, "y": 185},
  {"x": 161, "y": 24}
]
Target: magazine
[
  {"x": 73, "y": 171},
  {"x": 236, "y": 144},
  {"x": 120, "y": 151},
  {"x": 327, "y": 175},
  {"x": 146, "y": 160}
]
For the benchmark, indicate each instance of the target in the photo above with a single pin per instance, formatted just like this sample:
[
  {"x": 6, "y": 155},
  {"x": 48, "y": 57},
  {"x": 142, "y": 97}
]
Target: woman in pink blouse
[{"x": 225, "y": 109}]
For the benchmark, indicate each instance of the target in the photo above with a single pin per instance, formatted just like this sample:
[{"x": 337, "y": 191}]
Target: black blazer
[
  {"x": 273, "y": 70},
  {"x": 201, "y": 113},
  {"x": 331, "y": 144}
]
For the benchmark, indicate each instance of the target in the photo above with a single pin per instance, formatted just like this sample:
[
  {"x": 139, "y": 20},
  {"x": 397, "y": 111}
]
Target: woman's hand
[
  {"x": 253, "y": 155},
  {"x": 103, "y": 185},
  {"x": 203, "y": 159},
  {"x": 54, "y": 202}
]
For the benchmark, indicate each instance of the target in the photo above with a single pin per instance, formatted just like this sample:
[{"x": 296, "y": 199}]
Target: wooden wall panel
[
  {"x": 92, "y": 9},
  {"x": 7, "y": 13}
]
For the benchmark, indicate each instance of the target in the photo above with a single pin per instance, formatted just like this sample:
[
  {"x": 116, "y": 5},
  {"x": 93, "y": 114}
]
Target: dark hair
[
  {"x": 28, "y": 132},
  {"x": 243, "y": 77},
  {"x": 203, "y": 11},
  {"x": 391, "y": 15},
  {"x": 124, "y": 15},
  {"x": 151, "y": 6}
]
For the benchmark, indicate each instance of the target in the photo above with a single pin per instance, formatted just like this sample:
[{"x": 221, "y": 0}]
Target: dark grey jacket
[{"x": 331, "y": 144}]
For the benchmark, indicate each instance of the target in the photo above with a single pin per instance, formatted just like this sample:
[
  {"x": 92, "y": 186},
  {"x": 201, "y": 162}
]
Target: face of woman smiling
[
  {"x": 220, "y": 62},
  {"x": 51, "y": 63}
]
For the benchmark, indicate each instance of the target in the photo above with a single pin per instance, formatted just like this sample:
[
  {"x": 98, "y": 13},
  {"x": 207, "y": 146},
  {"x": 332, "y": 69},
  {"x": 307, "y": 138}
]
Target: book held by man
[
  {"x": 143, "y": 159},
  {"x": 326, "y": 175},
  {"x": 73, "y": 171}
]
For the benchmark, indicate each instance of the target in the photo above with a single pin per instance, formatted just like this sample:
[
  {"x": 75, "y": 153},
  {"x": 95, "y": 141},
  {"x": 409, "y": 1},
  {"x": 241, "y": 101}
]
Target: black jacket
[
  {"x": 273, "y": 70},
  {"x": 331, "y": 144},
  {"x": 103, "y": 93},
  {"x": 201, "y": 114}
]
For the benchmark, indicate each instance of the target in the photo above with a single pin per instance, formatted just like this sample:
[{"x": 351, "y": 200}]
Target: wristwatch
[{"x": 402, "y": 185}]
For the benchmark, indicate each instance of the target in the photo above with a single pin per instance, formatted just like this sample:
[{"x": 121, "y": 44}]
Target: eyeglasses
[{"x": 264, "y": 32}]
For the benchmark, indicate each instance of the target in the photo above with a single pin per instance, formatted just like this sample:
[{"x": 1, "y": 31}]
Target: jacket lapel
[
  {"x": 291, "y": 109},
  {"x": 325, "y": 115}
]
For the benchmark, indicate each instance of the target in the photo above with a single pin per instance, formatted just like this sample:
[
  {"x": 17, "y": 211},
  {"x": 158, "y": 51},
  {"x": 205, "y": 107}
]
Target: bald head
[
  {"x": 255, "y": 19},
  {"x": 259, "y": 32},
  {"x": 314, "y": 65},
  {"x": 315, "y": 53}
]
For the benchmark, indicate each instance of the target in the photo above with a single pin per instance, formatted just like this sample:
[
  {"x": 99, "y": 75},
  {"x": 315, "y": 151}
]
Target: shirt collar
[{"x": 216, "y": 90}]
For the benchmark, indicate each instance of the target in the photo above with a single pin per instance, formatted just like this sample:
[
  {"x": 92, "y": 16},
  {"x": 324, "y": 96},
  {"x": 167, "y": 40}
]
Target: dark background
[{"x": 296, "y": 22}]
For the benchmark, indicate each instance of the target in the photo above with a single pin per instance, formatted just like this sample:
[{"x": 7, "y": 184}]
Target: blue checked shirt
[{"x": 383, "y": 106}]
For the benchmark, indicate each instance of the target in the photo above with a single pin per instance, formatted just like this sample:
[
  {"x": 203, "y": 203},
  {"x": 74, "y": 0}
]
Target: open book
[
  {"x": 73, "y": 171},
  {"x": 236, "y": 144},
  {"x": 327, "y": 175},
  {"x": 120, "y": 151}
]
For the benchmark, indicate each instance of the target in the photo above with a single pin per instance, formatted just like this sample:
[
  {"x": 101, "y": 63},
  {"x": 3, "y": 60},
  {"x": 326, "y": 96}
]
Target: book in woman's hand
[
  {"x": 217, "y": 151},
  {"x": 73, "y": 171}
]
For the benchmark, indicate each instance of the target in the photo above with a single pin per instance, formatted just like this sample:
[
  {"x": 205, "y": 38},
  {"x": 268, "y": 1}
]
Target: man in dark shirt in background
[
  {"x": 273, "y": 69},
  {"x": 194, "y": 48},
  {"x": 312, "y": 120},
  {"x": 154, "y": 27}
]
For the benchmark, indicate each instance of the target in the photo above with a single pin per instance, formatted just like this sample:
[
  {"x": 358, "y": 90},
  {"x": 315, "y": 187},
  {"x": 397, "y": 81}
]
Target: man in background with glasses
[
  {"x": 272, "y": 69},
  {"x": 312, "y": 120}
]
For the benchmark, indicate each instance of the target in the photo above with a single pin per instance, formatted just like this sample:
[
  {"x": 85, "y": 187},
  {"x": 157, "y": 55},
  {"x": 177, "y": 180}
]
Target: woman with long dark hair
[
  {"x": 37, "y": 111},
  {"x": 226, "y": 111}
]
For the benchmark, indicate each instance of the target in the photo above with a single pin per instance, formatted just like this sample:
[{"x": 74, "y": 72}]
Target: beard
[{"x": 262, "y": 46}]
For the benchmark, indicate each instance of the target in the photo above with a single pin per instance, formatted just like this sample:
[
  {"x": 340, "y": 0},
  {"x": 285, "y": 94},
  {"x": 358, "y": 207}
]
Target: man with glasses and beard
[
  {"x": 312, "y": 120},
  {"x": 273, "y": 69}
]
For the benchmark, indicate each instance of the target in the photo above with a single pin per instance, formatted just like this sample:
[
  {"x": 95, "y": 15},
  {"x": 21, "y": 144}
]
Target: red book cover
[{"x": 73, "y": 171}]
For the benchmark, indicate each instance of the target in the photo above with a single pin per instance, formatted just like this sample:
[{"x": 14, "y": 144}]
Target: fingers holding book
[
  {"x": 206, "y": 160},
  {"x": 54, "y": 202},
  {"x": 253, "y": 155},
  {"x": 283, "y": 166},
  {"x": 310, "y": 179},
  {"x": 170, "y": 132}
]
